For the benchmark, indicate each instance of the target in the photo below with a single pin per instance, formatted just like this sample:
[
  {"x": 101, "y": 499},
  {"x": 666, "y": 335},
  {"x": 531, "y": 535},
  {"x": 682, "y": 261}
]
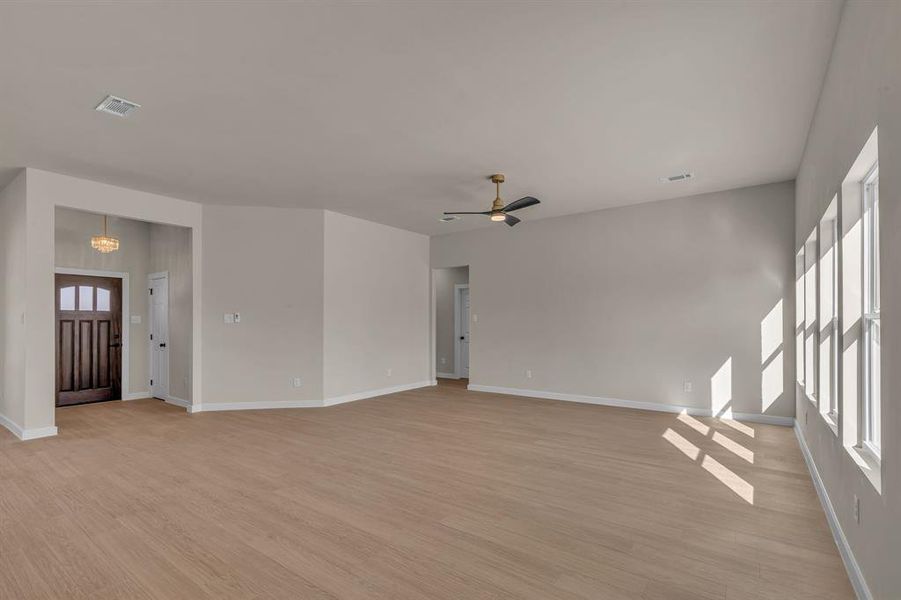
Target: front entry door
[{"x": 88, "y": 339}]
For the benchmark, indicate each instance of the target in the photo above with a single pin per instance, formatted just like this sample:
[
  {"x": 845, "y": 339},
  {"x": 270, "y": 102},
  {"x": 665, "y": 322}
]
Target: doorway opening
[
  {"x": 124, "y": 318},
  {"x": 452, "y": 322}
]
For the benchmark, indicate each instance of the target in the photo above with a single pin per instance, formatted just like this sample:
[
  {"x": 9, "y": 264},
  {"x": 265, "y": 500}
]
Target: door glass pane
[
  {"x": 67, "y": 298},
  {"x": 103, "y": 299},
  {"x": 85, "y": 297}
]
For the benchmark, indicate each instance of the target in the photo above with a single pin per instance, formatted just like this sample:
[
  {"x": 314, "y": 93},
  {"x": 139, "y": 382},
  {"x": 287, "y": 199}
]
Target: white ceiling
[{"x": 396, "y": 111}]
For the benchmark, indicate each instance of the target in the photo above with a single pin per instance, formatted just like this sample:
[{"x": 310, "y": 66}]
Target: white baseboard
[
  {"x": 379, "y": 392},
  {"x": 220, "y": 406},
  {"x": 137, "y": 396},
  {"x": 447, "y": 375},
  {"x": 670, "y": 408},
  {"x": 854, "y": 573},
  {"x": 27, "y": 434},
  {"x": 177, "y": 401}
]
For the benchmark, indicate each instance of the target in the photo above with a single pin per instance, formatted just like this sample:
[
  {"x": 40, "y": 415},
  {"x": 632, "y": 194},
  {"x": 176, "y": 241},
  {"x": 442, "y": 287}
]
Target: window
[
  {"x": 827, "y": 316},
  {"x": 67, "y": 298},
  {"x": 85, "y": 297},
  {"x": 103, "y": 299},
  {"x": 872, "y": 411},
  {"x": 810, "y": 317}
]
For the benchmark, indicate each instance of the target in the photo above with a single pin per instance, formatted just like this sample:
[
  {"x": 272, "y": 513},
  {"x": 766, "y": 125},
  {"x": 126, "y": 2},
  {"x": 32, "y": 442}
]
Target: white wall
[
  {"x": 376, "y": 307},
  {"x": 170, "y": 251},
  {"x": 628, "y": 303},
  {"x": 12, "y": 303},
  {"x": 444, "y": 281},
  {"x": 267, "y": 265},
  {"x": 46, "y": 191},
  {"x": 862, "y": 90},
  {"x": 74, "y": 229}
]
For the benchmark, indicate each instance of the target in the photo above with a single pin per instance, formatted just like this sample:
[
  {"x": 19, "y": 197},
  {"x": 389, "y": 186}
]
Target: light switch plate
[
  {"x": 229, "y": 317},
  {"x": 136, "y": 319},
  {"x": 237, "y": 317}
]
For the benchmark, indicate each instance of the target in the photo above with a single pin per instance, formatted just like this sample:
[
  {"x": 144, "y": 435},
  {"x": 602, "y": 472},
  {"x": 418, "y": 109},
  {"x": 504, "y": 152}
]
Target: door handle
[
  {"x": 462, "y": 337},
  {"x": 115, "y": 345},
  {"x": 163, "y": 345}
]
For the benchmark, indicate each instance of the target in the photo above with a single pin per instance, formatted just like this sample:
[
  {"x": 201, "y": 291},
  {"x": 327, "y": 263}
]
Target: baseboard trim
[
  {"x": 223, "y": 406},
  {"x": 854, "y": 573},
  {"x": 378, "y": 392},
  {"x": 27, "y": 434},
  {"x": 447, "y": 375},
  {"x": 653, "y": 406},
  {"x": 177, "y": 401},
  {"x": 137, "y": 396}
]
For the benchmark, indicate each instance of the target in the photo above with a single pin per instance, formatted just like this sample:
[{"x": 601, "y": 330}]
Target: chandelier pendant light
[{"x": 104, "y": 243}]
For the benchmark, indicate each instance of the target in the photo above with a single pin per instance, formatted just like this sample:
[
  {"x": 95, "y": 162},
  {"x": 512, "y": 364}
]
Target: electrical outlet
[
  {"x": 388, "y": 372},
  {"x": 856, "y": 509},
  {"x": 686, "y": 387},
  {"x": 443, "y": 360},
  {"x": 528, "y": 373},
  {"x": 297, "y": 382},
  {"x": 475, "y": 318}
]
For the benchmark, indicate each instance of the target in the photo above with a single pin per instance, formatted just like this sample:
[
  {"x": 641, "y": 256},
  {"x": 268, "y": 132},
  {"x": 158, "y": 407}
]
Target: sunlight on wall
[
  {"x": 721, "y": 390},
  {"x": 771, "y": 332},
  {"x": 771, "y": 357}
]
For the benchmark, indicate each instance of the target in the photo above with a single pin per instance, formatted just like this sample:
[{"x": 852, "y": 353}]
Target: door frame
[
  {"x": 458, "y": 322},
  {"x": 125, "y": 366},
  {"x": 150, "y": 278}
]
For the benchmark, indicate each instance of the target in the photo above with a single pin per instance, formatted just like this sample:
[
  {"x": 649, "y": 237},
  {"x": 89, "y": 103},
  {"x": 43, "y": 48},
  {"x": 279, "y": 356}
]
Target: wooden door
[{"x": 88, "y": 339}]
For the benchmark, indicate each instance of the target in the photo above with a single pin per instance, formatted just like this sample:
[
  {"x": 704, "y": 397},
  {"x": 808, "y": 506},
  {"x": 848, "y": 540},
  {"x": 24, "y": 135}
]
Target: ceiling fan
[{"x": 498, "y": 211}]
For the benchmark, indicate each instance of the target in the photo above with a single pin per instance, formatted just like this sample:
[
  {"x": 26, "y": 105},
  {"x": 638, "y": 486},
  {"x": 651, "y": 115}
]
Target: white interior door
[
  {"x": 159, "y": 336},
  {"x": 463, "y": 370}
]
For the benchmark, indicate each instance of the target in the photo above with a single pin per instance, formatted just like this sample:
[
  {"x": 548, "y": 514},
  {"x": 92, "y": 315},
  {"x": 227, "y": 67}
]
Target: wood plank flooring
[{"x": 436, "y": 493}]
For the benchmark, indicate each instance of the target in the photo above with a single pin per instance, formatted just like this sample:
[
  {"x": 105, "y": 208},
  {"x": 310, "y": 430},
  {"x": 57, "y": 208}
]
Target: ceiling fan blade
[
  {"x": 521, "y": 203},
  {"x": 468, "y": 213},
  {"x": 511, "y": 220}
]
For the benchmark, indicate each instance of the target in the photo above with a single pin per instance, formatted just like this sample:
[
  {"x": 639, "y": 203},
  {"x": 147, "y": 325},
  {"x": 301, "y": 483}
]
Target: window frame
[{"x": 871, "y": 310}]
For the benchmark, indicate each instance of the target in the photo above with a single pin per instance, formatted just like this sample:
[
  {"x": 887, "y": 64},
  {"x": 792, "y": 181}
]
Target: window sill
[
  {"x": 832, "y": 421},
  {"x": 869, "y": 463}
]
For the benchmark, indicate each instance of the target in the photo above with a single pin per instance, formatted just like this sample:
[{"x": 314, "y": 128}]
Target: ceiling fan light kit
[{"x": 500, "y": 212}]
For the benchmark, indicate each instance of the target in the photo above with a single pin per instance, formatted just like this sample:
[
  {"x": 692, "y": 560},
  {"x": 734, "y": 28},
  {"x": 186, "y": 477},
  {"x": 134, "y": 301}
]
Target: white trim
[
  {"x": 27, "y": 434},
  {"x": 378, "y": 392},
  {"x": 137, "y": 395},
  {"x": 177, "y": 401},
  {"x": 457, "y": 326},
  {"x": 653, "y": 406},
  {"x": 221, "y": 406},
  {"x": 125, "y": 367},
  {"x": 447, "y": 375},
  {"x": 854, "y": 573}
]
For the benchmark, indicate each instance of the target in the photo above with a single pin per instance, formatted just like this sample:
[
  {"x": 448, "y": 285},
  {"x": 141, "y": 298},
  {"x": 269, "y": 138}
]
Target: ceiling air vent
[
  {"x": 677, "y": 178},
  {"x": 117, "y": 106}
]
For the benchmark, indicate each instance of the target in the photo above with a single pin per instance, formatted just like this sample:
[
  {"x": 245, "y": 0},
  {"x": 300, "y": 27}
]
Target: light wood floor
[{"x": 436, "y": 493}]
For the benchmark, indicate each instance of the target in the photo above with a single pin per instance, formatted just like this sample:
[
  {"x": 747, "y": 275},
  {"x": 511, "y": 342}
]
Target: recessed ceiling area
[{"x": 395, "y": 112}]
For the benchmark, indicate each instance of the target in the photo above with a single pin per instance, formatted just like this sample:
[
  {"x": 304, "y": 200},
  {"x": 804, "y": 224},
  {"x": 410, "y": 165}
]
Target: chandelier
[{"x": 104, "y": 243}]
